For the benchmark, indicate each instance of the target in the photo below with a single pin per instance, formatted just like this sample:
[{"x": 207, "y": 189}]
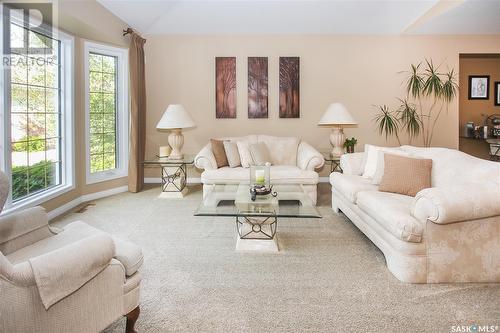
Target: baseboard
[
  {"x": 84, "y": 198},
  {"x": 157, "y": 180}
]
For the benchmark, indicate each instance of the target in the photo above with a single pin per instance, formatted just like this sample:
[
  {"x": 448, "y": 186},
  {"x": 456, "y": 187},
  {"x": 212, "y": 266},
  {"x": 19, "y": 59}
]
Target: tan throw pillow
[
  {"x": 379, "y": 172},
  {"x": 245, "y": 156},
  {"x": 260, "y": 153},
  {"x": 219, "y": 153},
  {"x": 232, "y": 154},
  {"x": 405, "y": 175}
]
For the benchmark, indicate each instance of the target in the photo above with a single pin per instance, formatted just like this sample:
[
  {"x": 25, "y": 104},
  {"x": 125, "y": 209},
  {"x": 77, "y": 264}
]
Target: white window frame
[
  {"x": 122, "y": 114},
  {"x": 66, "y": 123}
]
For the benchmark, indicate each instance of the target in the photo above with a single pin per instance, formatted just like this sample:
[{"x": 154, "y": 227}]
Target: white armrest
[
  {"x": 309, "y": 158},
  {"x": 61, "y": 272},
  {"x": 352, "y": 164},
  {"x": 20, "y": 275},
  {"x": 24, "y": 222},
  {"x": 205, "y": 158},
  {"x": 461, "y": 202}
]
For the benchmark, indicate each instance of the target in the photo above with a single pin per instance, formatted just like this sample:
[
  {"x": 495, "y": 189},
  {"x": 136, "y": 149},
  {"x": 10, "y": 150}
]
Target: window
[
  {"x": 106, "y": 82},
  {"x": 37, "y": 147}
]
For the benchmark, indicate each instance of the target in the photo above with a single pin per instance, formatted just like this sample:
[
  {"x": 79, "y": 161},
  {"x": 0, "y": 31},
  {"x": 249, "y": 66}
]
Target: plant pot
[{"x": 350, "y": 149}]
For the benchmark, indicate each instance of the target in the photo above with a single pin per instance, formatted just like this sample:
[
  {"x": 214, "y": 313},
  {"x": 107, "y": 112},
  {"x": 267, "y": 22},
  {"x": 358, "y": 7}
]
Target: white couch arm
[
  {"x": 352, "y": 164},
  {"x": 61, "y": 272},
  {"x": 205, "y": 159},
  {"x": 309, "y": 158},
  {"x": 461, "y": 202}
]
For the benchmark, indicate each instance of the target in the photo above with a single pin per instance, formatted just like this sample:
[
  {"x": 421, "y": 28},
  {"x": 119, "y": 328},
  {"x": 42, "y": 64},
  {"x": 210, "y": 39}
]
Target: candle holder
[{"x": 260, "y": 181}]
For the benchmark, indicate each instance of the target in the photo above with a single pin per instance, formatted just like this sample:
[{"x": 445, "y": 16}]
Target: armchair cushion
[
  {"x": 461, "y": 202},
  {"x": 309, "y": 158},
  {"x": 61, "y": 272}
]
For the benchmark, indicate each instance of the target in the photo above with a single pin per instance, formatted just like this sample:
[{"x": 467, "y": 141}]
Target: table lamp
[
  {"x": 175, "y": 118},
  {"x": 338, "y": 117}
]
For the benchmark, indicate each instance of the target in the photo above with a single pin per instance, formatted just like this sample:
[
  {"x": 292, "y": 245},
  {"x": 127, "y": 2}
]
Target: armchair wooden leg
[{"x": 131, "y": 319}]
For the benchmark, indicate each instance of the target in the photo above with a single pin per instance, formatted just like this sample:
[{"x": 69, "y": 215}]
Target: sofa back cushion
[
  {"x": 283, "y": 150},
  {"x": 405, "y": 175},
  {"x": 450, "y": 166}
]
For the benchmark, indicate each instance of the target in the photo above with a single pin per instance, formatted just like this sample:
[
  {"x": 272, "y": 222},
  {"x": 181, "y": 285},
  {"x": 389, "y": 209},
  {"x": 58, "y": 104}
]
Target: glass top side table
[
  {"x": 333, "y": 160},
  {"x": 173, "y": 174}
]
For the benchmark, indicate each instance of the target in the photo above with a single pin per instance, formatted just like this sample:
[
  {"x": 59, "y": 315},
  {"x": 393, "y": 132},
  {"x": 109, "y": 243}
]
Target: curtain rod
[{"x": 128, "y": 31}]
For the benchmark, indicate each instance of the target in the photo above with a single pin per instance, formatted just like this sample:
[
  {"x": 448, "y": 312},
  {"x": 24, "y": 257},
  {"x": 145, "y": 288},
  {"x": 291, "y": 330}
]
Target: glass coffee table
[{"x": 257, "y": 221}]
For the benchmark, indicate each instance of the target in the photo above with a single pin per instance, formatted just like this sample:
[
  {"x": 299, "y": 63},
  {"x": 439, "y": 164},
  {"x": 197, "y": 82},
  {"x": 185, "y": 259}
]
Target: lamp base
[
  {"x": 337, "y": 139},
  {"x": 176, "y": 141}
]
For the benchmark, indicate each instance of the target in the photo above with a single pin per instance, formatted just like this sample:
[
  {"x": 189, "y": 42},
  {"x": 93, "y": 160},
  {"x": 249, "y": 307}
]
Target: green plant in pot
[
  {"x": 349, "y": 144},
  {"x": 428, "y": 93}
]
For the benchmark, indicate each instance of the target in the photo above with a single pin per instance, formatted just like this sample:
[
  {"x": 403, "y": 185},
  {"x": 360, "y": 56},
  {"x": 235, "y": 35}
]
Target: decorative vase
[{"x": 350, "y": 149}]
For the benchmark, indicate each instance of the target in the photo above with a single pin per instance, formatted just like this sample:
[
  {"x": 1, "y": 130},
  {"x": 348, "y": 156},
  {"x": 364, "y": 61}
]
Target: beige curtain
[{"x": 137, "y": 113}]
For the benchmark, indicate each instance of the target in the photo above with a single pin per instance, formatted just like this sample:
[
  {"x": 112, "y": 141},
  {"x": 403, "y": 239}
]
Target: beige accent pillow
[
  {"x": 232, "y": 154},
  {"x": 405, "y": 175},
  {"x": 219, "y": 153},
  {"x": 245, "y": 156},
  {"x": 379, "y": 172},
  {"x": 260, "y": 153}
]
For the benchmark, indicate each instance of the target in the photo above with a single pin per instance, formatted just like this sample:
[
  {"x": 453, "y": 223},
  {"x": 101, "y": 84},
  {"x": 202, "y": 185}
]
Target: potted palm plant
[
  {"x": 429, "y": 92},
  {"x": 349, "y": 144}
]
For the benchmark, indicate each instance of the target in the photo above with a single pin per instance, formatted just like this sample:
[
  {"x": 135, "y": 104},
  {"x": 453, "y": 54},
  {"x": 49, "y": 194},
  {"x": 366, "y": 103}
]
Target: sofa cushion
[
  {"x": 260, "y": 153},
  {"x": 232, "y": 154},
  {"x": 351, "y": 185},
  {"x": 283, "y": 150},
  {"x": 245, "y": 155},
  {"x": 450, "y": 166},
  {"x": 219, "y": 153},
  {"x": 280, "y": 174},
  {"x": 405, "y": 175},
  {"x": 392, "y": 212},
  {"x": 130, "y": 255}
]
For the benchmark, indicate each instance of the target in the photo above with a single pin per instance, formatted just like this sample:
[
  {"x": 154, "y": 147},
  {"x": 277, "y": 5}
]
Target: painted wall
[
  {"x": 359, "y": 71},
  {"x": 86, "y": 19},
  {"x": 471, "y": 110}
]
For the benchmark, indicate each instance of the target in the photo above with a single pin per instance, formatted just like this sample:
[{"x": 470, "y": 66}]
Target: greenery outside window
[
  {"x": 37, "y": 141},
  {"x": 106, "y": 84}
]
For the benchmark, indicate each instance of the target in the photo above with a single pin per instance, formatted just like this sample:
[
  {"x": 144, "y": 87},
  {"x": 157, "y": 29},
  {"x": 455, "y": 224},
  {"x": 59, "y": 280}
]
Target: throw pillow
[
  {"x": 245, "y": 156},
  {"x": 232, "y": 154},
  {"x": 219, "y": 153},
  {"x": 260, "y": 153},
  {"x": 370, "y": 159},
  {"x": 405, "y": 175},
  {"x": 379, "y": 172}
]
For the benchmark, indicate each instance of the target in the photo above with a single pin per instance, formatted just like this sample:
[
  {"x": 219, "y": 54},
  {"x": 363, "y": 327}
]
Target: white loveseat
[
  {"x": 293, "y": 162},
  {"x": 447, "y": 233}
]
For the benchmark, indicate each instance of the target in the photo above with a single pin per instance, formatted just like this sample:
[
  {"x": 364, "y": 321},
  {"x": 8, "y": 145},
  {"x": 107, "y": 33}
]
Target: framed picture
[
  {"x": 225, "y": 87},
  {"x": 497, "y": 93},
  {"x": 289, "y": 87},
  {"x": 257, "y": 87},
  {"x": 479, "y": 86}
]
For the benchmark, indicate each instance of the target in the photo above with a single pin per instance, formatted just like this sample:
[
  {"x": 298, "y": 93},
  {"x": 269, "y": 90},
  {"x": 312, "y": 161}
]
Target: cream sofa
[
  {"x": 293, "y": 162},
  {"x": 79, "y": 279},
  {"x": 447, "y": 233}
]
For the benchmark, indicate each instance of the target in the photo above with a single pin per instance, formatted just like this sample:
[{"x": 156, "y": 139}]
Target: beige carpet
[{"x": 328, "y": 277}]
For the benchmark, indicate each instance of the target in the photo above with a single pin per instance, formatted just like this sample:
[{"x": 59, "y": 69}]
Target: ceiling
[{"x": 309, "y": 17}]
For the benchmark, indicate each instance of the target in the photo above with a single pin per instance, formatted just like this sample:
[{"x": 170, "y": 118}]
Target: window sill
[
  {"x": 105, "y": 176},
  {"x": 38, "y": 199}
]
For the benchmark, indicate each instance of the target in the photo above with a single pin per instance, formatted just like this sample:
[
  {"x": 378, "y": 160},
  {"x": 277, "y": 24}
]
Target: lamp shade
[
  {"x": 337, "y": 114},
  {"x": 175, "y": 116}
]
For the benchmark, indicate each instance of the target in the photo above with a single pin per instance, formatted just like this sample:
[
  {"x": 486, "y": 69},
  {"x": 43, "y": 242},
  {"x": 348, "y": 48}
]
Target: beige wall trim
[{"x": 85, "y": 198}]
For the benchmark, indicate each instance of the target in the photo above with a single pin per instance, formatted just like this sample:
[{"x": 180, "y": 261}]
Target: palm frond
[
  {"x": 450, "y": 87},
  {"x": 415, "y": 82},
  {"x": 408, "y": 118},
  {"x": 386, "y": 121},
  {"x": 432, "y": 82}
]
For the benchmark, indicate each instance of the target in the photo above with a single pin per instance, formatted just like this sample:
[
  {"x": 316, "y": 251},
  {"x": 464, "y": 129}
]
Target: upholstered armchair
[{"x": 78, "y": 279}]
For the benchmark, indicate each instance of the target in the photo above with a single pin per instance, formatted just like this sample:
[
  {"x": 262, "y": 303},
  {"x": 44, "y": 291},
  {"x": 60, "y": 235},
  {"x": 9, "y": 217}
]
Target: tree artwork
[
  {"x": 225, "y": 87},
  {"x": 289, "y": 87},
  {"x": 257, "y": 87}
]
